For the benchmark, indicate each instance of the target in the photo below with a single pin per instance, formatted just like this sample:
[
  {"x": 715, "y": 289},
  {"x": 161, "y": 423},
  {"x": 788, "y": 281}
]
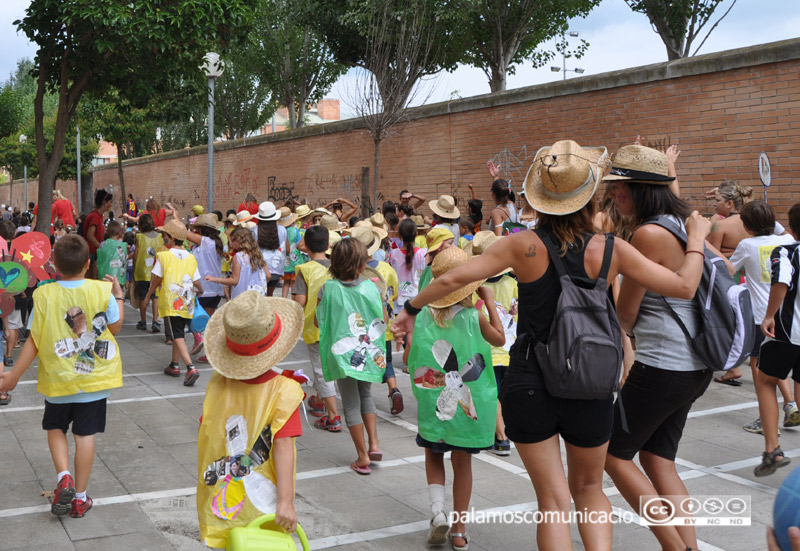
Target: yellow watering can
[{"x": 256, "y": 537}]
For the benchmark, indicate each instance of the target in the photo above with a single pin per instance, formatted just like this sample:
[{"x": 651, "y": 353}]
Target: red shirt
[
  {"x": 158, "y": 217},
  {"x": 95, "y": 219},
  {"x": 252, "y": 208},
  {"x": 63, "y": 209}
]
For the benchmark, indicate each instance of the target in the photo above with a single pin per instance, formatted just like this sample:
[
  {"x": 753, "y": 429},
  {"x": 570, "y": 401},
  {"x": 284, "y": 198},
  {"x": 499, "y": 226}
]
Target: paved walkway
[{"x": 143, "y": 480}]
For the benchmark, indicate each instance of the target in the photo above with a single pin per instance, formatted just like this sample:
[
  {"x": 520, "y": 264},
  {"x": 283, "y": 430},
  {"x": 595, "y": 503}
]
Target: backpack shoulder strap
[
  {"x": 552, "y": 251},
  {"x": 669, "y": 225},
  {"x": 607, "y": 254}
]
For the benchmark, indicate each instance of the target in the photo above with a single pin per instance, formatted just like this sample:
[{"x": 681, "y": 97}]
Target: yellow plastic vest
[
  {"x": 73, "y": 358},
  {"x": 239, "y": 421},
  {"x": 390, "y": 277},
  {"x": 505, "y": 294},
  {"x": 315, "y": 275},
  {"x": 177, "y": 289},
  {"x": 144, "y": 261}
]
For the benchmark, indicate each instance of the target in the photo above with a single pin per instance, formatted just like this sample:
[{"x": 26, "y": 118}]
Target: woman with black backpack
[{"x": 560, "y": 186}]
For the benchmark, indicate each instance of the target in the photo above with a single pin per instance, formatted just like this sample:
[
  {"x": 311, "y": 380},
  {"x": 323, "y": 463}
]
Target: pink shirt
[{"x": 408, "y": 278}]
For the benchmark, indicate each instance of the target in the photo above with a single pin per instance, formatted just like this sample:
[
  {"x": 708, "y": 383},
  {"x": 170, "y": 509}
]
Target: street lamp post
[
  {"x": 213, "y": 68},
  {"x": 24, "y": 139},
  {"x": 78, "y": 140},
  {"x": 563, "y": 67}
]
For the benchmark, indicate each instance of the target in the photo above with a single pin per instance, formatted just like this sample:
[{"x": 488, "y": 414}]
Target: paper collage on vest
[
  {"x": 235, "y": 473},
  {"x": 86, "y": 346},
  {"x": 185, "y": 295},
  {"x": 451, "y": 380},
  {"x": 361, "y": 342}
]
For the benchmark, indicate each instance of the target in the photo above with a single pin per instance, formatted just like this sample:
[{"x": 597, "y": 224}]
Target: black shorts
[
  {"x": 779, "y": 358},
  {"x": 499, "y": 372},
  {"x": 758, "y": 342},
  {"x": 275, "y": 281},
  {"x": 178, "y": 326},
  {"x": 142, "y": 287},
  {"x": 87, "y": 418},
  {"x": 656, "y": 403},
  {"x": 533, "y": 416},
  {"x": 209, "y": 302}
]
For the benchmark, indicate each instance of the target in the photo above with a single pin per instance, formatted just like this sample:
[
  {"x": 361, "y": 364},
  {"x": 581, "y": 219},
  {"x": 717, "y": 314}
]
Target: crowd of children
[{"x": 451, "y": 293}]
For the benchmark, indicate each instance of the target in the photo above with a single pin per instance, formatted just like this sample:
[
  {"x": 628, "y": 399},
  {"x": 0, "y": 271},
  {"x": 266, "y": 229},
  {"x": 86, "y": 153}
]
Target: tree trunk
[
  {"x": 375, "y": 176},
  {"x": 498, "y": 80},
  {"x": 123, "y": 195},
  {"x": 365, "y": 192},
  {"x": 301, "y": 114},
  {"x": 47, "y": 183},
  {"x": 87, "y": 195}
]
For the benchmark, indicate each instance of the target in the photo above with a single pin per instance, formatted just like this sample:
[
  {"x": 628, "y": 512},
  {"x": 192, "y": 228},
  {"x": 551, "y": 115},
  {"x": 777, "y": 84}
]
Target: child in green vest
[
  {"x": 72, "y": 327},
  {"x": 352, "y": 322},
  {"x": 450, "y": 361},
  {"x": 176, "y": 268},
  {"x": 311, "y": 276},
  {"x": 112, "y": 255}
]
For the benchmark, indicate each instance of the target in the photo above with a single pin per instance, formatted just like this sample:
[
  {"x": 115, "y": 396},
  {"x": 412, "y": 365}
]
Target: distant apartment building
[{"x": 326, "y": 110}]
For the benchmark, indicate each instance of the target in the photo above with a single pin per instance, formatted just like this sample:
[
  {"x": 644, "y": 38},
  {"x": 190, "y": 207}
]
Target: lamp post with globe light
[
  {"x": 24, "y": 139},
  {"x": 213, "y": 68}
]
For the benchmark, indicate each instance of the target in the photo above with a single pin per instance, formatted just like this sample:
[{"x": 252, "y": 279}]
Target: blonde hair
[
  {"x": 730, "y": 190},
  {"x": 443, "y": 317},
  {"x": 246, "y": 243}
]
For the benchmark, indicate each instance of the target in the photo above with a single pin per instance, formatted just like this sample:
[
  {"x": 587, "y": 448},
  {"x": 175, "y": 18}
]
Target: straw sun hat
[
  {"x": 369, "y": 236},
  {"x": 640, "y": 164},
  {"x": 287, "y": 217},
  {"x": 176, "y": 229},
  {"x": 331, "y": 222},
  {"x": 564, "y": 177},
  {"x": 206, "y": 221},
  {"x": 249, "y": 335},
  {"x": 375, "y": 276},
  {"x": 333, "y": 239},
  {"x": 482, "y": 241},
  {"x": 302, "y": 211},
  {"x": 445, "y": 206},
  {"x": 445, "y": 261}
]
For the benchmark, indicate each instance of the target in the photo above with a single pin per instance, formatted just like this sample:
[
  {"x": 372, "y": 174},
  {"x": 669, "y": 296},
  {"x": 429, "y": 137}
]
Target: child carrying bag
[
  {"x": 255, "y": 537},
  {"x": 199, "y": 319}
]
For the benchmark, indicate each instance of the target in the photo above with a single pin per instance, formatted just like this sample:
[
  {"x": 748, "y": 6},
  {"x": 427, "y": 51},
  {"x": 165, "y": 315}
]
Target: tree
[
  {"x": 137, "y": 47},
  {"x": 242, "y": 100},
  {"x": 499, "y": 35},
  {"x": 296, "y": 60},
  {"x": 680, "y": 22}
]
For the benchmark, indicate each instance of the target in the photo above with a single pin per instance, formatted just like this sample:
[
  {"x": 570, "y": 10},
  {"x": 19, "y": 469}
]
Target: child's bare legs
[
  {"x": 357, "y": 434},
  {"x": 180, "y": 352},
  {"x": 462, "y": 491},
  {"x": 143, "y": 310},
  {"x": 155, "y": 312},
  {"x": 331, "y": 407},
  {"x": 59, "y": 449},
  {"x": 287, "y": 288},
  {"x": 500, "y": 424},
  {"x": 371, "y": 424},
  {"x": 84, "y": 458},
  {"x": 10, "y": 342}
]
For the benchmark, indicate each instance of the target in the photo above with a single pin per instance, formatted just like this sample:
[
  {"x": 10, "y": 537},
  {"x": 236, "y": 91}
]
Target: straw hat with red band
[
  {"x": 445, "y": 261},
  {"x": 249, "y": 335}
]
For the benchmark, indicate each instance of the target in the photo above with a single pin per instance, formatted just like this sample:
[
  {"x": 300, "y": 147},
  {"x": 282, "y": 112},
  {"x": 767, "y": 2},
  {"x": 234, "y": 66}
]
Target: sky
[{"x": 618, "y": 38}]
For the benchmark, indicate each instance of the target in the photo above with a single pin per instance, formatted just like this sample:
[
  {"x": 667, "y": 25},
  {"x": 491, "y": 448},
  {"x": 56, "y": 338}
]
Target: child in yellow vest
[
  {"x": 245, "y": 447},
  {"x": 148, "y": 243},
  {"x": 72, "y": 330},
  {"x": 311, "y": 276},
  {"x": 175, "y": 270}
]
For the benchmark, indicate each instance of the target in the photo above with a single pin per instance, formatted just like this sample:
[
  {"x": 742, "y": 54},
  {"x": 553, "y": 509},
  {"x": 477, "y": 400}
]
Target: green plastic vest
[
  {"x": 453, "y": 380},
  {"x": 112, "y": 259},
  {"x": 426, "y": 277},
  {"x": 352, "y": 341}
]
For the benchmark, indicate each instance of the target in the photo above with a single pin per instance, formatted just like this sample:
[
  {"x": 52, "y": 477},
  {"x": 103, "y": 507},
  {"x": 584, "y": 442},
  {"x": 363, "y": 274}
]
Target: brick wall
[{"x": 722, "y": 109}]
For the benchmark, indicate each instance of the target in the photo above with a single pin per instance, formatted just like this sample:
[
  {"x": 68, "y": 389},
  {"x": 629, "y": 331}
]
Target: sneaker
[
  {"x": 63, "y": 496},
  {"x": 396, "y": 400},
  {"x": 198, "y": 344},
  {"x": 141, "y": 325},
  {"x": 771, "y": 462},
  {"x": 317, "y": 407},
  {"x": 791, "y": 415},
  {"x": 172, "y": 370},
  {"x": 501, "y": 447},
  {"x": 437, "y": 533},
  {"x": 81, "y": 506},
  {"x": 191, "y": 376},
  {"x": 325, "y": 423},
  {"x": 202, "y": 359},
  {"x": 755, "y": 427},
  {"x": 156, "y": 327}
]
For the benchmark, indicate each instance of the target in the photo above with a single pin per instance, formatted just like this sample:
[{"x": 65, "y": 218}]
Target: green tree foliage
[
  {"x": 680, "y": 23},
  {"x": 10, "y": 110},
  {"x": 243, "y": 100},
  {"x": 138, "y": 47},
  {"x": 499, "y": 35}
]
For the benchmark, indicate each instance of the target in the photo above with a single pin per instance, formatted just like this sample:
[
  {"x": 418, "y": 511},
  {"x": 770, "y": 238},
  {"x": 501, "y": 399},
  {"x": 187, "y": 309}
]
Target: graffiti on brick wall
[
  {"x": 512, "y": 166},
  {"x": 320, "y": 189},
  {"x": 174, "y": 201},
  {"x": 235, "y": 185},
  {"x": 280, "y": 192}
]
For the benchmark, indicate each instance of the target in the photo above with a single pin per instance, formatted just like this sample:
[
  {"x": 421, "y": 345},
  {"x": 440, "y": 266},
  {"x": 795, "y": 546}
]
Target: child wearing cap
[
  {"x": 175, "y": 270},
  {"x": 246, "y": 443},
  {"x": 72, "y": 333},
  {"x": 148, "y": 243},
  {"x": 448, "y": 353},
  {"x": 352, "y": 324},
  {"x": 311, "y": 276}
]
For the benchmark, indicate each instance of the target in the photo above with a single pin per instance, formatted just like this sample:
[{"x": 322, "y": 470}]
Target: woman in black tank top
[{"x": 560, "y": 186}]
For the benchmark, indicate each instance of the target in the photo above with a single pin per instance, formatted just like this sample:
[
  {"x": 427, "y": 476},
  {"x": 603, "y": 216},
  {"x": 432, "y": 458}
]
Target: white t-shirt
[
  {"x": 181, "y": 254},
  {"x": 209, "y": 263},
  {"x": 753, "y": 253}
]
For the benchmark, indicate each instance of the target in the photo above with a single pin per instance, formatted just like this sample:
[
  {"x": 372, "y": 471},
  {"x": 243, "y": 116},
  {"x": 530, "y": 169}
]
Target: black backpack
[
  {"x": 727, "y": 330},
  {"x": 582, "y": 359}
]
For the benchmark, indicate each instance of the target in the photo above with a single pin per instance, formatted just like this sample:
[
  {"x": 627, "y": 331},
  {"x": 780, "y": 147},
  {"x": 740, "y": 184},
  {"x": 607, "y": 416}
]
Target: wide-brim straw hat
[
  {"x": 231, "y": 218},
  {"x": 176, "y": 229},
  {"x": 482, "y": 241},
  {"x": 420, "y": 222},
  {"x": 287, "y": 217},
  {"x": 638, "y": 163},
  {"x": 563, "y": 177},
  {"x": 242, "y": 218},
  {"x": 249, "y": 335},
  {"x": 445, "y": 261},
  {"x": 206, "y": 221},
  {"x": 332, "y": 223},
  {"x": 376, "y": 277},
  {"x": 379, "y": 221},
  {"x": 369, "y": 238},
  {"x": 333, "y": 239},
  {"x": 302, "y": 211},
  {"x": 267, "y": 212},
  {"x": 445, "y": 206}
]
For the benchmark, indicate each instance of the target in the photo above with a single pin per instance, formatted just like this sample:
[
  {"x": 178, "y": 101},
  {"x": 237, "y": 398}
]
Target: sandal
[
  {"x": 5, "y": 398},
  {"x": 359, "y": 469},
  {"x": 376, "y": 455},
  {"x": 733, "y": 381},
  {"x": 771, "y": 462},
  {"x": 459, "y": 535}
]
